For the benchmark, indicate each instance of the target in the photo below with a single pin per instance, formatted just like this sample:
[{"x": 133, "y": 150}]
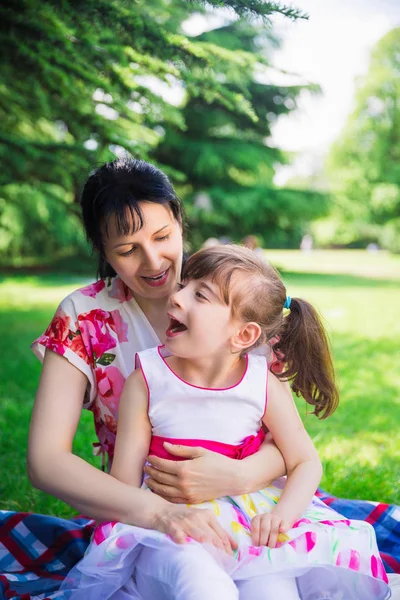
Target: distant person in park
[
  {"x": 133, "y": 218},
  {"x": 306, "y": 244},
  {"x": 204, "y": 387},
  {"x": 253, "y": 243}
]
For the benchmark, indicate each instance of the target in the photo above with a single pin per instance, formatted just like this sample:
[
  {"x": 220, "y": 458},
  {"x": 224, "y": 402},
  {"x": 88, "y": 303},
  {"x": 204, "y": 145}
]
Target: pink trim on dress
[
  {"x": 198, "y": 386},
  {"x": 266, "y": 390},
  {"x": 249, "y": 446},
  {"x": 138, "y": 365}
]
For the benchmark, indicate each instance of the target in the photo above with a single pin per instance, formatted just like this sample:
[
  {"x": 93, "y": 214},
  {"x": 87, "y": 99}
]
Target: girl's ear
[{"x": 246, "y": 337}]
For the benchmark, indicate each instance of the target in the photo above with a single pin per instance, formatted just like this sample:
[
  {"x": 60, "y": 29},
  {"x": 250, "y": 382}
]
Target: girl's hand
[
  {"x": 181, "y": 522},
  {"x": 267, "y": 528},
  {"x": 205, "y": 475}
]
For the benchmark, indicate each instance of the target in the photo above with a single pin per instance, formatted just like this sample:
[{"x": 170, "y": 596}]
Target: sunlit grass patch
[{"x": 359, "y": 444}]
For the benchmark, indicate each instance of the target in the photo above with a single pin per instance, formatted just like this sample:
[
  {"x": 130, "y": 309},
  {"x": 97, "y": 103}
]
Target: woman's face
[{"x": 148, "y": 261}]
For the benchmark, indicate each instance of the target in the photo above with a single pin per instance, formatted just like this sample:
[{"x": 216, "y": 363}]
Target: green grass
[{"x": 359, "y": 296}]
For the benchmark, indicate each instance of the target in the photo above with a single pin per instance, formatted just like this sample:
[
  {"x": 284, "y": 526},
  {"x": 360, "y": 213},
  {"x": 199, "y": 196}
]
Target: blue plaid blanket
[{"x": 37, "y": 551}]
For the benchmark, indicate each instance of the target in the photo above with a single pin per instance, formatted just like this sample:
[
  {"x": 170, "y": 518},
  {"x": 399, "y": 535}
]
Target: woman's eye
[
  {"x": 161, "y": 239},
  {"x": 129, "y": 252}
]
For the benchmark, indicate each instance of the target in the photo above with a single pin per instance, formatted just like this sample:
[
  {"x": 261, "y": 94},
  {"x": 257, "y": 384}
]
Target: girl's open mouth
[
  {"x": 157, "y": 280},
  {"x": 175, "y": 328}
]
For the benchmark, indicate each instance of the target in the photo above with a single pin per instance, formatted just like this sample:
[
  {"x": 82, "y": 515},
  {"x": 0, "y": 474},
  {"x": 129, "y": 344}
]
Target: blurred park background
[{"x": 281, "y": 123}]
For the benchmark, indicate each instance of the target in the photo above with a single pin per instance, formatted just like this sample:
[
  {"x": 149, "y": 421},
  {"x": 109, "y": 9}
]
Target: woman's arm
[
  {"x": 207, "y": 475},
  {"x": 53, "y": 467}
]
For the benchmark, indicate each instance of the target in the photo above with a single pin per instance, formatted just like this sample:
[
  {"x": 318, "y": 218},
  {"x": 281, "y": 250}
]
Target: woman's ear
[{"x": 245, "y": 337}]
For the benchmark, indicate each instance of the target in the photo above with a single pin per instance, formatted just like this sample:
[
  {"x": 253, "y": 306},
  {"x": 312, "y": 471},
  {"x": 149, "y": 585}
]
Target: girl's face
[
  {"x": 148, "y": 261},
  {"x": 200, "y": 322}
]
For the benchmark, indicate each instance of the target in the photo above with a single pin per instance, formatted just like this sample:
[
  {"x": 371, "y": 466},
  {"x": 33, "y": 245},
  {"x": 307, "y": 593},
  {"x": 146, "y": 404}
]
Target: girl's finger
[
  {"x": 273, "y": 533},
  {"x": 255, "y": 530},
  {"x": 265, "y": 528}
]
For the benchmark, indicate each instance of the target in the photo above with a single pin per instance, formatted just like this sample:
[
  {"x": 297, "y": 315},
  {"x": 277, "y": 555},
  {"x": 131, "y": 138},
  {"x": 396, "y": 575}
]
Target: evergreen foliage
[{"x": 83, "y": 81}]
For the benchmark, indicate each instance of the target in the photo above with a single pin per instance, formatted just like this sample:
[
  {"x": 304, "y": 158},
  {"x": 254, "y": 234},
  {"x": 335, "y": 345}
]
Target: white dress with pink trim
[{"x": 330, "y": 556}]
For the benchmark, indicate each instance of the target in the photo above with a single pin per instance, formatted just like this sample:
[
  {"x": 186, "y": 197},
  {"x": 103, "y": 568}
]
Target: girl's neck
[{"x": 213, "y": 372}]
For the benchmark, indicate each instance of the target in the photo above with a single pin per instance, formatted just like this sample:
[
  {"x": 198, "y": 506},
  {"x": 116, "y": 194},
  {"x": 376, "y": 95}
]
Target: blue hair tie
[{"x": 287, "y": 302}]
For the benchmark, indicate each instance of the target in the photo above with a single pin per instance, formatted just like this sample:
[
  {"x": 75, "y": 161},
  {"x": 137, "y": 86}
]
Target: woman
[
  {"x": 87, "y": 351},
  {"x": 133, "y": 218}
]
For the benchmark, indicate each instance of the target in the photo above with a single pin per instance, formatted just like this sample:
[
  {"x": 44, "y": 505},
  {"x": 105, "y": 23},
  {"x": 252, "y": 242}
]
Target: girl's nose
[{"x": 176, "y": 298}]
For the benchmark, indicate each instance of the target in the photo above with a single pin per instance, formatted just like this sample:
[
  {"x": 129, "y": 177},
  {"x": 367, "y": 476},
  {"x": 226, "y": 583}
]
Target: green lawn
[{"x": 359, "y": 296}]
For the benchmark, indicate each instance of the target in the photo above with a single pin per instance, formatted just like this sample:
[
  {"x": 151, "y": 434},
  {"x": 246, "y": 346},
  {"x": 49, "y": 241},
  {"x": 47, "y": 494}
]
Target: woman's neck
[
  {"x": 213, "y": 372},
  {"x": 156, "y": 314}
]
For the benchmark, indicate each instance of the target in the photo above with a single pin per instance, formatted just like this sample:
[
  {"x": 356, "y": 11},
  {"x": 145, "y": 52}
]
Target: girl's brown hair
[{"x": 259, "y": 297}]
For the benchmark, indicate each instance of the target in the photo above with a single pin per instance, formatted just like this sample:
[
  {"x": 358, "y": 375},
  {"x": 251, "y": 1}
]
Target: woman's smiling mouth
[{"x": 157, "y": 280}]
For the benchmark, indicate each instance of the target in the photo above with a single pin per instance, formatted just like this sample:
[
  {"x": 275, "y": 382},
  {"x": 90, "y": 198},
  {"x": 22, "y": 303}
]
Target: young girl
[{"x": 285, "y": 542}]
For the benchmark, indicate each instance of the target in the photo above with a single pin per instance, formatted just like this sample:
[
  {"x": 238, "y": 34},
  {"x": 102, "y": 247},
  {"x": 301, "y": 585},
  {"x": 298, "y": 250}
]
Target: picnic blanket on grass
[{"x": 37, "y": 551}]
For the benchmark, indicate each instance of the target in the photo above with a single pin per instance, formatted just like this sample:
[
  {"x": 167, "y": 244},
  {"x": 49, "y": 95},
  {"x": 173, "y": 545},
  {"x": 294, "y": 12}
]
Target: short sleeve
[{"x": 64, "y": 336}]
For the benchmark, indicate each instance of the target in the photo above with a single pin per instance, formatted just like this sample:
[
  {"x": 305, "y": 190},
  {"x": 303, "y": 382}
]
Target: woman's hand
[
  {"x": 204, "y": 476},
  {"x": 181, "y": 522}
]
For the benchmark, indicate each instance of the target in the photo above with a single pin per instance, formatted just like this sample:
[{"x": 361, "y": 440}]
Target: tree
[
  {"x": 226, "y": 156},
  {"x": 80, "y": 81},
  {"x": 364, "y": 164}
]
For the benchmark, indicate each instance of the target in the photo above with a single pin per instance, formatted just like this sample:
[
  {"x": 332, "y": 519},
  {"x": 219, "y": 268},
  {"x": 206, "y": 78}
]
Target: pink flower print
[
  {"x": 377, "y": 568},
  {"x": 300, "y": 523},
  {"x": 93, "y": 289},
  {"x": 56, "y": 336},
  {"x": 255, "y": 550},
  {"x": 111, "y": 424},
  {"x": 102, "y": 532},
  {"x": 125, "y": 541},
  {"x": 240, "y": 518},
  {"x": 120, "y": 291},
  {"x": 110, "y": 382},
  {"x": 277, "y": 359},
  {"x": 77, "y": 346},
  {"x": 95, "y": 330},
  {"x": 337, "y": 523},
  {"x": 349, "y": 559},
  {"x": 118, "y": 325},
  {"x": 304, "y": 543}
]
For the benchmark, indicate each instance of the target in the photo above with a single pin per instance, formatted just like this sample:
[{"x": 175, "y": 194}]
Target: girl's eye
[
  {"x": 129, "y": 252},
  {"x": 200, "y": 295},
  {"x": 162, "y": 239},
  {"x": 180, "y": 286}
]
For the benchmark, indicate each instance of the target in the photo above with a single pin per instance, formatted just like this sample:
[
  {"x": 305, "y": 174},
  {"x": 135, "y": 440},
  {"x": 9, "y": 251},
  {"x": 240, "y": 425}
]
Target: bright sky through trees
[{"x": 332, "y": 48}]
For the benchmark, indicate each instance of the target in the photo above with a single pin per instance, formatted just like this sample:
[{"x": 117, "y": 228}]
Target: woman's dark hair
[
  {"x": 260, "y": 298},
  {"x": 116, "y": 189}
]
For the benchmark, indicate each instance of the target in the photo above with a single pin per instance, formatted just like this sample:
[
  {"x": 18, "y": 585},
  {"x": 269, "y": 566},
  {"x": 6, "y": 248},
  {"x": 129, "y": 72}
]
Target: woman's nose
[{"x": 152, "y": 259}]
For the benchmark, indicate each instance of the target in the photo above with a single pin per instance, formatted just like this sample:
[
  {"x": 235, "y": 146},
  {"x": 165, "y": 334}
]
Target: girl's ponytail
[{"x": 304, "y": 344}]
